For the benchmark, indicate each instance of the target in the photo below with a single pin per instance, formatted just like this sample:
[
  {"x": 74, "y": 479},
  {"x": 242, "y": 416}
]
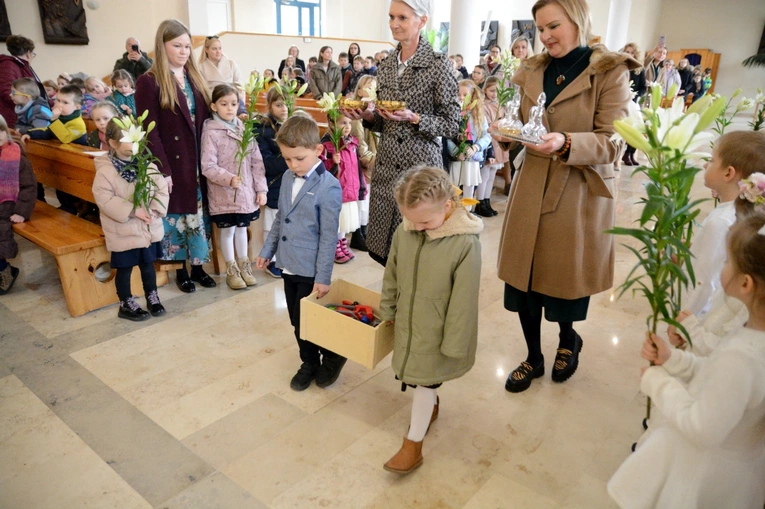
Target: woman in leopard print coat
[{"x": 415, "y": 74}]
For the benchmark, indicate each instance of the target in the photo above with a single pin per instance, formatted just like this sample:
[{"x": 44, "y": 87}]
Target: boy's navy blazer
[{"x": 304, "y": 233}]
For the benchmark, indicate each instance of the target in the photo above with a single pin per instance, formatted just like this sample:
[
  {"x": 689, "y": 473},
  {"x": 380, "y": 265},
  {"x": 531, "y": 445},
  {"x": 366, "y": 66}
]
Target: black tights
[
  {"x": 148, "y": 278},
  {"x": 532, "y": 332}
]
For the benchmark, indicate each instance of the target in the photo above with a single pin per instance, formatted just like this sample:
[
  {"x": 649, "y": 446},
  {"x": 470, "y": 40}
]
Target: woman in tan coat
[{"x": 554, "y": 252}]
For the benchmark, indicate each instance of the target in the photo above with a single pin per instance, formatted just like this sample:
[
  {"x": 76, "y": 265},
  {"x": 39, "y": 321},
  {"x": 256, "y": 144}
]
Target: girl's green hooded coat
[{"x": 430, "y": 289}]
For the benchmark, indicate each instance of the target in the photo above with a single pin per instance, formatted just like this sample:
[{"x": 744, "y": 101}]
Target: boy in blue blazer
[{"x": 304, "y": 237}]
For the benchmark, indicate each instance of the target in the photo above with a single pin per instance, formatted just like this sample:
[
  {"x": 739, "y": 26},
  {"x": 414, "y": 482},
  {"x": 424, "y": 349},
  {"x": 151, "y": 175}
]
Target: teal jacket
[{"x": 430, "y": 289}]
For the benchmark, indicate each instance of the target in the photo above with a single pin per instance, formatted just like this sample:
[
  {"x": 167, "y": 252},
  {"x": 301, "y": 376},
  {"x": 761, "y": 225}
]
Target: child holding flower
[
  {"x": 235, "y": 190},
  {"x": 474, "y": 138},
  {"x": 735, "y": 156},
  {"x": 133, "y": 232}
]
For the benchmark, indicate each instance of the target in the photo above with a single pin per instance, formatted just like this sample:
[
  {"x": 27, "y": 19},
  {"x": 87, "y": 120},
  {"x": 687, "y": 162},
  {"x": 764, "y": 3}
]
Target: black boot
[
  {"x": 130, "y": 310},
  {"x": 153, "y": 304},
  {"x": 480, "y": 209},
  {"x": 359, "y": 239},
  {"x": 487, "y": 206}
]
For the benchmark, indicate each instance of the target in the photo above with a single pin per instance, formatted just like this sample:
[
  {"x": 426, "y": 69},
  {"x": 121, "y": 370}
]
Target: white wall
[
  {"x": 108, "y": 27},
  {"x": 731, "y": 27},
  {"x": 271, "y": 49}
]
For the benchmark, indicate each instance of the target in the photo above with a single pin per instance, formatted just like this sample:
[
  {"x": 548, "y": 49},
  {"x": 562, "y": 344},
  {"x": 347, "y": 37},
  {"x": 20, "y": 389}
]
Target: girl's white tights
[
  {"x": 229, "y": 237},
  {"x": 422, "y": 409},
  {"x": 483, "y": 191}
]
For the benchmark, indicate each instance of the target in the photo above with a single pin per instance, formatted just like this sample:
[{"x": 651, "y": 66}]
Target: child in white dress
[{"x": 706, "y": 449}]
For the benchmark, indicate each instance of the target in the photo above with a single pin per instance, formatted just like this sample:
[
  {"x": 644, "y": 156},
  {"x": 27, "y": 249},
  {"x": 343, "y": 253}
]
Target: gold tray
[
  {"x": 390, "y": 105},
  {"x": 353, "y": 104},
  {"x": 516, "y": 137}
]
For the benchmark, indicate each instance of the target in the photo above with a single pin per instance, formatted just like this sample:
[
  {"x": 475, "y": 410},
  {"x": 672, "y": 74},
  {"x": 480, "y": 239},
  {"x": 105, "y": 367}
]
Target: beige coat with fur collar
[{"x": 559, "y": 210}]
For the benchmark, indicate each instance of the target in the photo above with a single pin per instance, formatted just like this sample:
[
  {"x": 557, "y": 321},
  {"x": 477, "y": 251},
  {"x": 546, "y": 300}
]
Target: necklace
[{"x": 561, "y": 78}]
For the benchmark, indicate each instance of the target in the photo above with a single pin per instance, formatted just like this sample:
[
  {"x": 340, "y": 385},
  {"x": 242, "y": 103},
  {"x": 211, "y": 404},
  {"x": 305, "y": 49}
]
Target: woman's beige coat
[{"x": 559, "y": 210}]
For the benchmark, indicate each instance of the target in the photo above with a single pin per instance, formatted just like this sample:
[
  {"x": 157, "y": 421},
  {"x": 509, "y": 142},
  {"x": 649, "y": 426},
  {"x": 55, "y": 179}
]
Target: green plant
[
  {"x": 143, "y": 160},
  {"x": 663, "y": 234},
  {"x": 289, "y": 92},
  {"x": 758, "y": 120},
  {"x": 331, "y": 106},
  {"x": 505, "y": 87},
  {"x": 252, "y": 88},
  {"x": 725, "y": 118}
]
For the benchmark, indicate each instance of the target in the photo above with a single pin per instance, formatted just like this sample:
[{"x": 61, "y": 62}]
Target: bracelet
[
  {"x": 566, "y": 148},
  {"x": 415, "y": 122}
]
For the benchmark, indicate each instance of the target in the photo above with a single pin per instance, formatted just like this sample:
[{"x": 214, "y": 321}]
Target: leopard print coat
[{"x": 429, "y": 89}]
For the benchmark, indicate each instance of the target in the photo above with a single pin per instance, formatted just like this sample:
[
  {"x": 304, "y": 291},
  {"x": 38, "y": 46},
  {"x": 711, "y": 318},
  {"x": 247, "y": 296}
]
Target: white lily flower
[
  {"x": 327, "y": 102},
  {"x": 680, "y": 135},
  {"x": 744, "y": 104},
  {"x": 133, "y": 135}
]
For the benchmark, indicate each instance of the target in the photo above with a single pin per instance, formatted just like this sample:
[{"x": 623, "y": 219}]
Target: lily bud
[
  {"x": 711, "y": 114},
  {"x": 632, "y": 136}
]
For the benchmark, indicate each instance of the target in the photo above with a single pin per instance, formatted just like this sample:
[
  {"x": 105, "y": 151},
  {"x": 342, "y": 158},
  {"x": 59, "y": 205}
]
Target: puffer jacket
[
  {"x": 348, "y": 172},
  {"x": 430, "y": 289},
  {"x": 32, "y": 115},
  {"x": 322, "y": 81},
  {"x": 219, "y": 147},
  {"x": 114, "y": 197},
  {"x": 266, "y": 130}
]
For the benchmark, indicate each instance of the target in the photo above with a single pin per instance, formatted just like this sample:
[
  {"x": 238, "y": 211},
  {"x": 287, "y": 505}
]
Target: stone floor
[{"x": 194, "y": 409}]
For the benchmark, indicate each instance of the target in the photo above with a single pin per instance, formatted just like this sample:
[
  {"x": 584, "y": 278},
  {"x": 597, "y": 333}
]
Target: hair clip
[{"x": 466, "y": 202}]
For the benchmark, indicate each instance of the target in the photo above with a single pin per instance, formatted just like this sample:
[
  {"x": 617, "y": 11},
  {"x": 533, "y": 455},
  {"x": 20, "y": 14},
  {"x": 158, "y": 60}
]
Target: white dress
[
  {"x": 706, "y": 449},
  {"x": 709, "y": 252}
]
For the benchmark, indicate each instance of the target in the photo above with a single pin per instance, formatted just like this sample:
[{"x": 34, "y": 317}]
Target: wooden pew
[
  {"x": 78, "y": 245},
  {"x": 90, "y": 125}
]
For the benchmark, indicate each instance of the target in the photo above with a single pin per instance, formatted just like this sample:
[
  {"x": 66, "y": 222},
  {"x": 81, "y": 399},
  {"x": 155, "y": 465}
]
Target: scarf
[
  {"x": 231, "y": 126},
  {"x": 10, "y": 159},
  {"x": 126, "y": 169}
]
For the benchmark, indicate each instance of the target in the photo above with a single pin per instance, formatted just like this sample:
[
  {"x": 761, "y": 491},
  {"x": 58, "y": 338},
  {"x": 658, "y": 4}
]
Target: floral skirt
[{"x": 187, "y": 236}]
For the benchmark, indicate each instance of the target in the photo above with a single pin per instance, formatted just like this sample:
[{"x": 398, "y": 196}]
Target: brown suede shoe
[{"x": 406, "y": 459}]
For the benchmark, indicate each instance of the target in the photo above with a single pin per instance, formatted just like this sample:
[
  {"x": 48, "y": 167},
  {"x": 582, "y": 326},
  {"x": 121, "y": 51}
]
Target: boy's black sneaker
[
  {"x": 329, "y": 371},
  {"x": 303, "y": 378}
]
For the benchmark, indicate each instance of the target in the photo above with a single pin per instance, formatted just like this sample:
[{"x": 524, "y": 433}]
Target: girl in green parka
[{"x": 430, "y": 293}]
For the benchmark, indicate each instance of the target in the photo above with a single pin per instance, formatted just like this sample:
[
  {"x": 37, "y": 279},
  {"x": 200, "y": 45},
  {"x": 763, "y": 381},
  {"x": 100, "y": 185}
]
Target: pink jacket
[
  {"x": 219, "y": 147},
  {"x": 114, "y": 197},
  {"x": 348, "y": 173},
  {"x": 491, "y": 110}
]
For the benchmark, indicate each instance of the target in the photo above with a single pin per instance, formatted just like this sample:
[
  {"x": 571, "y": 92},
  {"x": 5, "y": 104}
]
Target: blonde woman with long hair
[{"x": 176, "y": 96}]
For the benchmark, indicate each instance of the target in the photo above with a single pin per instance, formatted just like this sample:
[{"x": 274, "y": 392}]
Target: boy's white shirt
[{"x": 709, "y": 253}]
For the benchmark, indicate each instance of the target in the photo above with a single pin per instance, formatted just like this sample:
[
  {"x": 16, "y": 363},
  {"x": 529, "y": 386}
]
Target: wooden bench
[
  {"x": 80, "y": 248},
  {"x": 78, "y": 245}
]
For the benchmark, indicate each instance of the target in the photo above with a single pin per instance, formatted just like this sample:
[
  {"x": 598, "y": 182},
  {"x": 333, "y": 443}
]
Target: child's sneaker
[
  {"x": 273, "y": 271},
  {"x": 346, "y": 250},
  {"x": 130, "y": 310},
  {"x": 245, "y": 271},
  {"x": 7, "y": 278},
  {"x": 153, "y": 304},
  {"x": 340, "y": 256},
  {"x": 234, "y": 277},
  {"x": 303, "y": 378}
]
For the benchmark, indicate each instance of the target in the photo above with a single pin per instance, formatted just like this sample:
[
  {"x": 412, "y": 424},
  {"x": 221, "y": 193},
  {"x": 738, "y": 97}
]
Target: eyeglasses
[
  {"x": 212, "y": 36},
  {"x": 16, "y": 92}
]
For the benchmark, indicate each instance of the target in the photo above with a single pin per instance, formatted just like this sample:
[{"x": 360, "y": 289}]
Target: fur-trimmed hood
[
  {"x": 461, "y": 222},
  {"x": 601, "y": 60}
]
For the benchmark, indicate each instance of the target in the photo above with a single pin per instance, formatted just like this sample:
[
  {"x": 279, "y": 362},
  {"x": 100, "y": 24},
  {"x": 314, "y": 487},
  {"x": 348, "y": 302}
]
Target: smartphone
[
  {"x": 662, "y": 41},
  {"x": 134, "y": 47}
]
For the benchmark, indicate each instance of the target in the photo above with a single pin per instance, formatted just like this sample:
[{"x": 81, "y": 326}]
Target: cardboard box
[{"x": 344, "y": 335}]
